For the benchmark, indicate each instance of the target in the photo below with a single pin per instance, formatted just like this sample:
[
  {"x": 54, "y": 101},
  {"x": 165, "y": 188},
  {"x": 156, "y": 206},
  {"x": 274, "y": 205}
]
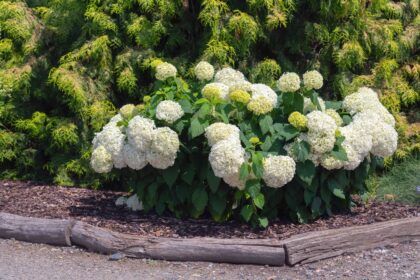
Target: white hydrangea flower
[
  {"x": 289, "y": 82},
  {"x": 234, "y": 181},
  {"x": 160, "y": 161},
  {"x": 113, "y": 140},
  {"x": 101, "y": 160},
  {"x": 229, "y": 76},
  {"x": 165, "y": 142},
  {"x": 308, "y": 106},
  {"x": 336, "y": 116},
  {"x": 213, "y": 90},
  {"x": 140, "y": 133},
  {"x": 357, "y": 139},
  {"x": 127, "y": 110},
  {"x": 133, "y": 158},
  {"x": 320, "y": 122},
  {"x": 115, "y": 119},
  {"x": 313, "y": 80},
  {"x": 321, "y": 143},
  {"x": 226, "y": 157},
  {"x": 278, "y": 170},
  {"x": 221, "y": 131},
  {"x": 164, "y": 71},
  {"x": 169, "y": 111},
  {"x": 384, "y": 136},
  {"x": 204, "y": 71},
  {"x": 366, "y": 99},
  {"x": 134, "y": 203},
  {"x": 353, "y": 158},
  {"x": 329, "y": 162},
  {"x": 242, "y": 85},
  {"x": 258, "y": 90}
]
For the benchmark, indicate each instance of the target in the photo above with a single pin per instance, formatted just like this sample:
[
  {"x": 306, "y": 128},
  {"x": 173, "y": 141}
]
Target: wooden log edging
[
  {"x": 302, "y": 248},
  {"x": 318, "y": 245}
]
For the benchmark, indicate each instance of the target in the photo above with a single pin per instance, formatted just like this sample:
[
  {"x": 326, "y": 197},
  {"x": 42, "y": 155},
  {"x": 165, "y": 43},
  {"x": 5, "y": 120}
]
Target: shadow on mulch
[{"x": 97, "y": 208}]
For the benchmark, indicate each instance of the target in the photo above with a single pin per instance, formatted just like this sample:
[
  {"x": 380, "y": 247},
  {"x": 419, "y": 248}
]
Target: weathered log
[
  {"x": 318, "y": 245},
  {"x": 35, "y": 230},
  {"x": 99, "y": 240}
]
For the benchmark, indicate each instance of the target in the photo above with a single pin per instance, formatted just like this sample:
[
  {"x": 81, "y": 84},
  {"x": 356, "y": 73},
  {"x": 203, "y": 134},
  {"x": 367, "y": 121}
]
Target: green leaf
[
  {"x": 308, "y": 196},
  {"x": 253, "y": 187},
  {"x": 247, "y": 212},
  {"x": 204, "y": 110},
  {"x": 170, "y": 175},
  {"x": 265, "y": 123},
  {"x": 267, "y": 144},
  {"x": 286, "y": 131},
  {"x": 196, "y": 128},
  {"x": 316, "y": 205},
  {"x": 336, "y": 188},
  {"x": 301, "y": 150},
  {"x": 257, "y": 164},
  {"x": 292, "y": 102},
  {"x": 306, "y": 171},
  {"x": 336, "y": 105},
  {"x": 263, "y": 222},
  {"x": 314, "y": 99},
  {"x": 186, "y": 106},
  {"x": 212, "y": 180},
  {"x": 217, "y": 204},
  {"x": 346, "y": 119},
  {"x": 244, "y": 171},
  {"x": 259, "y": 201},
  {"x": 339, "y": 153},
  {"x": 325, "y": 194},
  {"x": 189, "y": 173},
  {"x": 199, "y": 199}
]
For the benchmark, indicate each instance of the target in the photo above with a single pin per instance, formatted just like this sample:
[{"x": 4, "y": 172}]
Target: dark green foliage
[{"x": 65, "y": 65}]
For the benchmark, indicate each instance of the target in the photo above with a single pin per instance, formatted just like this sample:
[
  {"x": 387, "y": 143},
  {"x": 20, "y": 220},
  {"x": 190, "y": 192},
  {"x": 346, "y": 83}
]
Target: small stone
[{"x": 116, "y": 257}]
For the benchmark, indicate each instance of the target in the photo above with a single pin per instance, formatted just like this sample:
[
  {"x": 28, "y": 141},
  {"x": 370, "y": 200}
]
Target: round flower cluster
[
  {"x": 289, "y": 82},
  {"x": 127, "y": 111},
  {"x": 226, "y": 158},
  {"x": 219, "y": 131},
  {"x": 298, "y": 120},
  {"x": 329, "y": 162},
  {"x": 367, "y": 99},
  {"x": 308, "y": 106},
  {"x": 260, "y": 105},
  {"x": 204, "y": 71},
  {"x": 321, "y": 132},
  {"x": 336, "y": 116},
  {"x": 242, "y": 85},
  {"x": 313, "y": 80},
  {"x": 261, "y": 90},
  {"x": 215, "y": 91},
  {"x": 101, "y": 160},
  {"x": 169, "y": 111},
  {"x": 229, "y": 76},
  {"x": 278, "y": 170},
  {"x": 240, "y": 96},
  {"x": 315, "y": 158},
  {"x": 164, "y": 71}
]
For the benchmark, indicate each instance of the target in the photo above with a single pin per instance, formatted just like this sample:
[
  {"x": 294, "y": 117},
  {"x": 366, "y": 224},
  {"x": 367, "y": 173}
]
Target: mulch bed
[{"x": 97, "y": 208}]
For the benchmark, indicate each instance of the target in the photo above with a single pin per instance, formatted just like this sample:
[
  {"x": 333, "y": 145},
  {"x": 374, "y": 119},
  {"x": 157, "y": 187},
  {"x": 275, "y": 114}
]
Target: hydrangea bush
[{"x": 221, "y": 145}]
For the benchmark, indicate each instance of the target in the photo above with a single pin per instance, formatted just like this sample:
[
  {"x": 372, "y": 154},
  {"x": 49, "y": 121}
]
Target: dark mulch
[{"x": 97, "y": 208}]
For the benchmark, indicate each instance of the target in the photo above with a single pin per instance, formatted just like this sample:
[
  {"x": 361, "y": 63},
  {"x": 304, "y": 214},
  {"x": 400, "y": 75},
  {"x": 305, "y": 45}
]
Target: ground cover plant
[
  {"x": 223, "y": 145},
  {"x": 65, "y": 66}
]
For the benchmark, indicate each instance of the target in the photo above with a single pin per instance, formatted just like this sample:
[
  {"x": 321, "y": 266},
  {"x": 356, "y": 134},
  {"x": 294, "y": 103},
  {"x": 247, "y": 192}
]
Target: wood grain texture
[
  {"x": 265, "y": 252},
  {"x": 318, "y": 245},
  {"x": 35, "y": 230}
]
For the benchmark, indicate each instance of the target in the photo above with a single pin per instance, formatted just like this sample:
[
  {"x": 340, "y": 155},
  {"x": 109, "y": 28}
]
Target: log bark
[
  {"x": 318, "y": 245},
  {"x": 35, "y": 230},
  {"x": 265, "y": 252}
]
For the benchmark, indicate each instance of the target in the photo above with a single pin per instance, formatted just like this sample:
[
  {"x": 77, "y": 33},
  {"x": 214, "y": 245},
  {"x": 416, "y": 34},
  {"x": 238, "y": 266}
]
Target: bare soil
[{"x": 97, "y": 208}]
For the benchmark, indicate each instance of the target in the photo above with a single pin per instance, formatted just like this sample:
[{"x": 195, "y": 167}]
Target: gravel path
[{"x": 20, "y": 260}]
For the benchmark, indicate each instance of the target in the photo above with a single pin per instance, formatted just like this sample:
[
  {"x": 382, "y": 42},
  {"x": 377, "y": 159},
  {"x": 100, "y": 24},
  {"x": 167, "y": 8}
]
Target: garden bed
[{"x": 97, "y": 208}]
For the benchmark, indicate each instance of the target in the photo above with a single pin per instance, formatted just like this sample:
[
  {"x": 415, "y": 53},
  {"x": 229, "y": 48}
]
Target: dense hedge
[{"x": 66, "y": 65}]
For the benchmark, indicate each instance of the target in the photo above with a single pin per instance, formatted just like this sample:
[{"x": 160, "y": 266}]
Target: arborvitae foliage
[{"x": 65, "y": 65}]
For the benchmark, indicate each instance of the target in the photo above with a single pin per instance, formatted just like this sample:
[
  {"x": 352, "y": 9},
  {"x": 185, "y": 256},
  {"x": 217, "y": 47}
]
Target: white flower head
[
  {"x": 289, "y": 82},
  {"x": 160, "y": 161},
  {"x": 321, "y": 143},
  {"x": 134, "y": 158},
  {"x": 226, "y": 157},
  {"x": 229, "y": 76},
  {"x": 234, "y": 181},
  {"x": 215, "y": 90},
  {"x": 164, "y": 71},
  {"x": 313, "y": 80},
  {"x": 165, "y": 142},
  {"x": 278, "y": 170},
  {"x": 101, "y": 160},
  {"x": 258, "y": 90},
  {"x": 134, "y": 203},
  {"x": 242, "y": 85},
  {"x": 329, "y": 162},
  {"x": 140, "y": 133},
  {"x": 221, "y": 131},
  {"x": 320, "y": 122},
  {"x": 113, "y": 140},
  {"x": 308, "y": 106},
  {"x": 169, "y": 111},
  {"x": 204, "y": 71}
]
